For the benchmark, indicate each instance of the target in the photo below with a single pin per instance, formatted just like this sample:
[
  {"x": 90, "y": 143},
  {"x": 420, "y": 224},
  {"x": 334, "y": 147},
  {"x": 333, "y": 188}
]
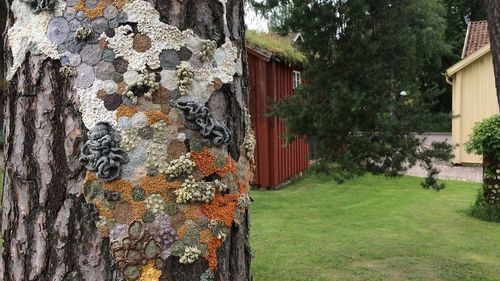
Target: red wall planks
[{"x": 275, "y": 163}]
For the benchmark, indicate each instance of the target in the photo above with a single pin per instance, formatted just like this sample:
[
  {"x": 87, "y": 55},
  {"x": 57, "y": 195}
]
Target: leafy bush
[
  {"x": 485, "y": 138},
  {"x": 484, "y": 211}
]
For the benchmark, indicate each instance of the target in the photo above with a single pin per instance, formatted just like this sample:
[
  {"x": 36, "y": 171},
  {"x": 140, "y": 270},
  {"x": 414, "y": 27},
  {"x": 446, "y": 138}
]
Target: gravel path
[{"x": 448, "y": 170}]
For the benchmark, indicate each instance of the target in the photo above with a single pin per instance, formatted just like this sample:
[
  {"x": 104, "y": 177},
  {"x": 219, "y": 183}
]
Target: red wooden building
[{"x": 272, "y": 78}]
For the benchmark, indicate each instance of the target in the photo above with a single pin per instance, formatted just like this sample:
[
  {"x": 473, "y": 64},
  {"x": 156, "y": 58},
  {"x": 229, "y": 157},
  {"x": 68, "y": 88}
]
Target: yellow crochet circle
[{"x": 150, "y": 273}]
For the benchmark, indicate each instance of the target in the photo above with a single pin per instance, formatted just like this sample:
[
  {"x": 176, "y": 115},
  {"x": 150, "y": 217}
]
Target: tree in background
[
  {"x": 364, "y": 101},
  {"x": 457, "y": 16}
]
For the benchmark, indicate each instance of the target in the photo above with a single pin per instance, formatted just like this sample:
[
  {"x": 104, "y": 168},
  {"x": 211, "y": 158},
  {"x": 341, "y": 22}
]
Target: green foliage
[
  {"x": 483, "y": 210},
  {"x": 360, "y": 56},
  {"x": 440, "y": 150},
  {"x": 458, "y": 14},
  {"x": 485, "y": 138},
  {"x": 442, "y": 124},
  {"x": 279, "y": 46}
]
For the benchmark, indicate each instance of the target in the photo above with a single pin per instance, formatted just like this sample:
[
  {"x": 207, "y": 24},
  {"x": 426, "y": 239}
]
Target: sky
[{"x": 254, "y": 21}]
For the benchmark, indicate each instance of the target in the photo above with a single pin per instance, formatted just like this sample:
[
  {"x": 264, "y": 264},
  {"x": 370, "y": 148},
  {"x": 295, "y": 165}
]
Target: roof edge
[
  {"x": 468, "y": 60},
  {"x": 275, "y": 47},
  {"x": 466, "y": 42},
  {"x": 260, "y": 52},
  {"x": 268, "y": 56}
]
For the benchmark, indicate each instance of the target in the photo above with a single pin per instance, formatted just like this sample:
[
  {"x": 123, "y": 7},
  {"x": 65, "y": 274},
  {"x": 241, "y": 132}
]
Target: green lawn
[{"x": 371, "y": 228}]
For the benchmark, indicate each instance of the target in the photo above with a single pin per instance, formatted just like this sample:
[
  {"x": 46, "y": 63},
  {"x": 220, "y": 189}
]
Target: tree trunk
[
  {"x": 493, "y": 12},
  {"x": 49, "y": 219}
]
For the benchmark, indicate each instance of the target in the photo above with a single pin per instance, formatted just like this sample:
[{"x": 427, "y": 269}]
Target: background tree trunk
[
  {"x": 47, "y": 227},
  {"x": 493, "y": 11}
]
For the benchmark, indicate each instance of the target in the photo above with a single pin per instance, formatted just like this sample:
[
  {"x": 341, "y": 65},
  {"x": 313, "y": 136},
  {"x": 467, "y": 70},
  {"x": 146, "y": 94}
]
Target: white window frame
[{"x": 296, "y": 79}]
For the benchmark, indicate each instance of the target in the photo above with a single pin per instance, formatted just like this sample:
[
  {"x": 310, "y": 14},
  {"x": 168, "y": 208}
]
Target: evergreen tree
[
  {"x": 366, "y": 96},
  {"x": 458, "y": 14}
]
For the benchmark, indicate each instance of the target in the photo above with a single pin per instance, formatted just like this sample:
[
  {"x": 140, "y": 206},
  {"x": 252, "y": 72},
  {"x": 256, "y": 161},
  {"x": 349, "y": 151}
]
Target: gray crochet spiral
[
  {"x": 41, "y": 5},
  {"x": 102, "y": 154},
  {"x": 198, "y": 117}
]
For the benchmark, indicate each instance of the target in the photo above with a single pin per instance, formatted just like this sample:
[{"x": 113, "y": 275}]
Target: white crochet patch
[
  {"x": 162, "y": 36},
  {"x": 28, "y": 34},
  {"x": 92, "y": 108},
  {"x": 168, "y": 37}
]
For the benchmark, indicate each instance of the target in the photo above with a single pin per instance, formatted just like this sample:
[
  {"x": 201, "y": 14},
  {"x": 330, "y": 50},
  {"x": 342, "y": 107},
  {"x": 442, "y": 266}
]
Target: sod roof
[{"x": 280, "y": 47}]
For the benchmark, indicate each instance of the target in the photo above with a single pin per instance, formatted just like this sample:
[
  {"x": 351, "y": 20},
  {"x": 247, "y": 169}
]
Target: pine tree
[{"x": 366, "y": 98}]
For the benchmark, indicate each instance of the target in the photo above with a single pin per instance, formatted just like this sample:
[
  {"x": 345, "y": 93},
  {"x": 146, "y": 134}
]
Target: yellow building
[{"x": 474, "y": 93}]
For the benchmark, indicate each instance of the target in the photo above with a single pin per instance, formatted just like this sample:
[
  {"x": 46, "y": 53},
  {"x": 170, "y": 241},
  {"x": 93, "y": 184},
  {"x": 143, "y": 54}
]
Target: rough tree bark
[
  {"x": 493, "y": 12},
  {"x": 48, "y": 228}
]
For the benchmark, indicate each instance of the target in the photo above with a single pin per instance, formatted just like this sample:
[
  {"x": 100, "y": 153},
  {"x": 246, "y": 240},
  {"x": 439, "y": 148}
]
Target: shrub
[
  {"x": 484, "y": 211},
  {"x": 485, "y": 138}
]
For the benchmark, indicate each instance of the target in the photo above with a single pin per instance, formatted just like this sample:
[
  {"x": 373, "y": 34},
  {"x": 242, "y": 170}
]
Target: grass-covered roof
[{"x": 281, "y": 47}]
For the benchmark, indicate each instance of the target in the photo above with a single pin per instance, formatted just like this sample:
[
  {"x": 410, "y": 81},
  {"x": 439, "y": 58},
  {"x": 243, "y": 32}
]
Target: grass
[
  {"x": 371, "y": 228},
  {"x": 279, "y": 46}
]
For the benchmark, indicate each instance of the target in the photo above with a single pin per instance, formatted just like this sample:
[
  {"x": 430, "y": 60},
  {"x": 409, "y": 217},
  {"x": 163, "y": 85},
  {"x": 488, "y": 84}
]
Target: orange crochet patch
[
  {"x": 155, "y": 116},
  {"x": 103, "y": 211},
  {"x": 221, "y": 208},
  {"x": 119, "y": 185},
  {"x": 242, "y": 187},
  {"x": 230, "y": 167},
  {"x": 211, "y": 257},
  {"x": 90, "y": 176},
  {"x": 125, "y": 188},
  {"x": 158, "y": 184},
  {"x": 125, "y": 111},
  {"x": 98, "y": 11},
  {"x": 182, "y": 231},
  {"x": 119, "y": 4},
  {"x": 206, "y": 236},
  {"x": 193, "y": 212},
  {"x": 204, "y": 161}
]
